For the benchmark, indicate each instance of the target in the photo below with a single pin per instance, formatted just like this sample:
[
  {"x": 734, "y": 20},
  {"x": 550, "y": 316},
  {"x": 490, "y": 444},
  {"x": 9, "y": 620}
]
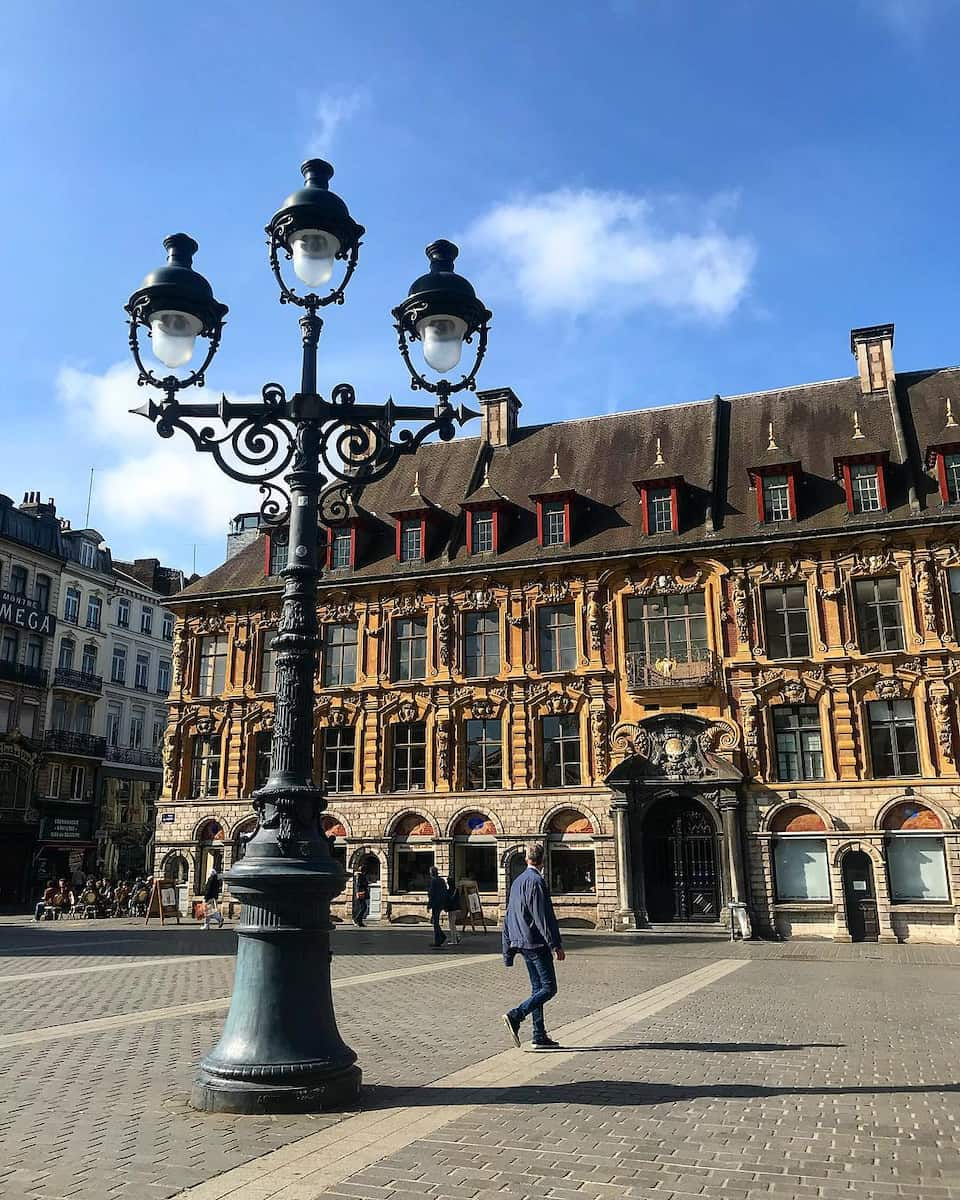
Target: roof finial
[
  {"x": 857, "y": 431},
  {"x": 556, "y": 465},
  {"x": 772, "y": 444},
  {"x": 416, "y": 484},
  {"x": 951, "y": 421},
  {"x": 486, "y": 474},
  {"x": 658, "y": 462}
]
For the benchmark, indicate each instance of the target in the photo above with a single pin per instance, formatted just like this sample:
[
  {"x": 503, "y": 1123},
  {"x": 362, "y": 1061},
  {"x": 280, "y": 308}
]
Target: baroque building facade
[{"x": 708, "y": 653}]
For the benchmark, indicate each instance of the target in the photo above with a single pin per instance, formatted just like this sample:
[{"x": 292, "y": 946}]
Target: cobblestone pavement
[{"x": 806, "y": 1070}]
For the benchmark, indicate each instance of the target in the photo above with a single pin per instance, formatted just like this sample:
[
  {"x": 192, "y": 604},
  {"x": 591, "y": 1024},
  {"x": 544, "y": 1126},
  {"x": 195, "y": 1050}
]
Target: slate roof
[{"x": 712, "y": 444}]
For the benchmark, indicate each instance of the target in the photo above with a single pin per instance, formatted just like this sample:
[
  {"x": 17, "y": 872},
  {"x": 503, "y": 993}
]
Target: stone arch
[
  {"x": 574, "y": 805},
  {"x": 766, "y": 824},
  {"x": 340, "y": 820},
  {"x": 249, "y": 819},
  {"x": 171, "y": 857},
  {"x": 946, "y": 821},
  {"x": 198, "y": 829},
  {"x": 508, "y": 853},
  {"x": 394, "y": 822},
  {"x": 871, "y": 851},
  {"x": 359, "y": 853},
  {"x": 474, "y": 808}
]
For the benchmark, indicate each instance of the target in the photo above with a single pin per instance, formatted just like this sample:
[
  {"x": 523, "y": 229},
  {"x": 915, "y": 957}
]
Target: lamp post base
[
  {"x": 280, "y": 1050},
  {"x": 248, "y": 1097}
]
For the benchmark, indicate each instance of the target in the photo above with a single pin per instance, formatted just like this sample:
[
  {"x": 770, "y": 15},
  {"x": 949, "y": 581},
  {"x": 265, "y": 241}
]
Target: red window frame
[
  {"x": 758, "y": 474},
  {"x": 565, "y": 499},
  {"x": 334, "y": 529},
  {"x": 645, "y": 486},
  {"x": 877, "y": 460},
  {"x": 401, "y": 519},
  {"x": 494, "y": 511}
]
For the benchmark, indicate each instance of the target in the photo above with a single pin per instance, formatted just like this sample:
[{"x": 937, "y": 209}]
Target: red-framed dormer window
[
  {"x": 948, "y": 473},
  {"x": 660, "y": 504},
  {"x": 483, "y": 531},
  {"x": 276, "y": 552},
  {"x": 864, "y": 480},
  {"x": 341, "y": 547},
  {"x": 554, "y": 522},
  {"x": 776, "y": 488}
]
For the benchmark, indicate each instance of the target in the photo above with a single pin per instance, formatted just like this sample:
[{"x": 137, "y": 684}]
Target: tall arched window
[
  {"x": 175, "y": 867},
  {"x": 412, "y": 853},
  {"x": 571, "y": 857},
  {"x": 211, "y": 836},
  {"x": 916, "y": 863},
  {"x": 475, "y": 850},
  {"x": 800, "y": 867}
]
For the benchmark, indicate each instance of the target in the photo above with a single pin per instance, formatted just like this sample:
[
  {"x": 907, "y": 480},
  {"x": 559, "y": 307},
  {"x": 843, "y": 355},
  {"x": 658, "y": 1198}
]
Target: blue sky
[{"x": 659, "y": 199}]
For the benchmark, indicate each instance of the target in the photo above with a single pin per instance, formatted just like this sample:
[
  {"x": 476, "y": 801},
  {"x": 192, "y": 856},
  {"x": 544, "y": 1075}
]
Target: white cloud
[
  {"x": 908, "y": 20},
  {"x": 330, "y": 112},
  {"x": 154, "y": 483},
  {"x": 583, "y": 252}
]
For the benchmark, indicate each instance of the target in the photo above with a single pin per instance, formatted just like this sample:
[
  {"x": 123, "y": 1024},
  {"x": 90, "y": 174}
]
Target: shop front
[{"x": 67, "y": 848}]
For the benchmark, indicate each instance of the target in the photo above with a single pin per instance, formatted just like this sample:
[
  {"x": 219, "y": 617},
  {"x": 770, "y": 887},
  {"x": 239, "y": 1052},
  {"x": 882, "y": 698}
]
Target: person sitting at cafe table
[{"x": 49, "y": 893}]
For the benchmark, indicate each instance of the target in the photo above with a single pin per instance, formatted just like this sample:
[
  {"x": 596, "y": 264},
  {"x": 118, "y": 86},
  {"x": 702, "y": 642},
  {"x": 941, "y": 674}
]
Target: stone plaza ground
[{"x": 692, "y": 1067}]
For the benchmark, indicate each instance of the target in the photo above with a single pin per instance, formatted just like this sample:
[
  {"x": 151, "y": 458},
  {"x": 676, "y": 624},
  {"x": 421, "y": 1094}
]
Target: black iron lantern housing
[
  {"x": 177, "y": 305},
  {"x": 442, "y": 312},
  {"x": 314, "y": 229}
]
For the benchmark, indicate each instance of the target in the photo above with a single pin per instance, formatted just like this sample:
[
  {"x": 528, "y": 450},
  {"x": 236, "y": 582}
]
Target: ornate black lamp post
[{"x": 281, "y": 1049}]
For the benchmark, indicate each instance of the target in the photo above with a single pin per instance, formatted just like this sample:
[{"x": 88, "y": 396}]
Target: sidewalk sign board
[{"x": 164, "y": 901}]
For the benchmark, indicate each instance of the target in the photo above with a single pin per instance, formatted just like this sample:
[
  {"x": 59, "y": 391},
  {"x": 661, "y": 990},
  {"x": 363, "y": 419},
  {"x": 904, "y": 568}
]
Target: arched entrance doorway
[
  {"x": 859, "y": 897},
  {"x": 681, "y": 874},
  {"x": 371, "y": 865}
]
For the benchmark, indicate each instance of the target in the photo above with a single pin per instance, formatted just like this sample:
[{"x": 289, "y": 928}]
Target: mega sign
[{"x": 26, "y": 613}]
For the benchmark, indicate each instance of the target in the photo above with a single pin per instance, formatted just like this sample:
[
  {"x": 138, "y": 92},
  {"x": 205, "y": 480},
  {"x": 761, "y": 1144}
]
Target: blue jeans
[
  {"x": 439, "y": 937},
  {"x": 543, "y": 984}
]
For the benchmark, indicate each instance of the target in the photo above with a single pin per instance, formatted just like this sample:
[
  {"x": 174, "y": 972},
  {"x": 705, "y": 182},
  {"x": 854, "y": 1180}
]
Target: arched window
[
  {"x": 14, "y": 784},
  {"x": 916, "y": 863},
  {"x": 333, "y": 828},
  {"x": 175, "y": 867},
  {"x": 412, "y": 853},
  {"x": 800, "y": 866},
  {"x": 475, "y": 850},
  {"x": 571, "y": 858},
  {"x": 241, "y": 835}
]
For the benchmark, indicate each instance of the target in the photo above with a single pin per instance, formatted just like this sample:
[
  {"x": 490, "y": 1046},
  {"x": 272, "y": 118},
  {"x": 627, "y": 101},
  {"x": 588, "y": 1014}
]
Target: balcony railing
[
  {"x": 690, "y": 668},
  {"x": 62, "y": 741},
  {"x": 134, "y": 757},
  {"x": 78, "y": 681},
  {"x": 21, "y": 673}
]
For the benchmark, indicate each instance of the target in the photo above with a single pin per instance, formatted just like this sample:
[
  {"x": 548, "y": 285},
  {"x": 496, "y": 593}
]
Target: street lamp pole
[{"x": 281, "y": 1050}]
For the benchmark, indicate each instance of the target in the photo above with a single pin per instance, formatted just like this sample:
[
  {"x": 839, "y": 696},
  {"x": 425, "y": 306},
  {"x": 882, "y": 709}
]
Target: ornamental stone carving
[
  {"x": 783, "y": 571},
  {"x": 407, "y": 711},
  {"x": 794, "y": 691},
  {"x": 444, "y": 633},
  {"x": 557, "y": 703},
  {"x": 479, "y": 598},
  {"x": 739, "y": 595},
  {"x": 338, "y": 613},
  {"x": 598, "y": 734},
  {"x": 665, "y": 583},
  {"x": 596, "y": 619},
  {"x": 874, "y": 562},
  {"x": 443, "y": 751},
  {"x": 554, "y": 591},
  {"x": 409, "y": 604},
  {"x": 923, "y": 581},
  {"x": 179, "y": 655},
  {"x": 484, "y": 709},
  {"x": 889, "y": 688},
  {"x": 211, "y": 625},
  {"x": 940, "y": 707}
]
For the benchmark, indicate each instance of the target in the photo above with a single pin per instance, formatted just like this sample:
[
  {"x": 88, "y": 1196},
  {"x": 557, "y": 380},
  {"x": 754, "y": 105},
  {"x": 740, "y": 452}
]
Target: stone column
[
  {"x": 626, "y": 917},
  {"x": 733, "y": 857}
]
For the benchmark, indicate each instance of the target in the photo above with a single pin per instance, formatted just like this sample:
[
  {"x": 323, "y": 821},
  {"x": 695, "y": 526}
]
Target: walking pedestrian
[
  {"x": 211, "y": 900},
  {"x": 530, "y": 929},
  {"x": 361, "y": 897},
  {"x": 453, "y": 909},
  {"x": 437, "y": 903}
]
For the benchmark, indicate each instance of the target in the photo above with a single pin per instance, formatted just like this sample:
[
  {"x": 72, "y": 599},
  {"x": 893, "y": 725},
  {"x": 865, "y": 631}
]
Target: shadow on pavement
[
  {"x": 712, "y": 1047},
  {"x": 616, "y": 1093}
]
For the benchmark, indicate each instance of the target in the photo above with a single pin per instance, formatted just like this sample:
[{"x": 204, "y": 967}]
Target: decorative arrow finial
[
  {"x": 658, "y": 462},
  {"x": 951, "y": 422},
  {"x": 486, "y": 475},
  {"x": 857, "y": 431},
  {"x": 556, "y": 465},
  {"x": 772, "y": 444},
  {"x": 416, "y": 484}
]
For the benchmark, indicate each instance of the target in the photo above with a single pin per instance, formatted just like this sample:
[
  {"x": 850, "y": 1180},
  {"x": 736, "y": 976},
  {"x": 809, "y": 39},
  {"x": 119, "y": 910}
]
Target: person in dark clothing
[
  {"x": 361, "y": 897},
  {"x": 530, "y": 929},
  {"x": 211, "y": 897},
  {"x": 437, "y": 904}
]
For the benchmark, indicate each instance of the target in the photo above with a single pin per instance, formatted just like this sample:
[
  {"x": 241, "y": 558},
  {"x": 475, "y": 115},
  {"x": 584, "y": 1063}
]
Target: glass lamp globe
[
  {"x": 442, "y": 339},
  {"x": 313, "y": 254},
  {"x": 172, "y": 335}
]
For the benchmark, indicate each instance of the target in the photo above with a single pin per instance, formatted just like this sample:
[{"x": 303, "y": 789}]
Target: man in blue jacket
[{"x": 530, "y": 929}]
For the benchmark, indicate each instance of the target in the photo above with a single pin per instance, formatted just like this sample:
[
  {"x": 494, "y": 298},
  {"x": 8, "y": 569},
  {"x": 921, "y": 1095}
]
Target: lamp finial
[{"x": 772, "y": 443}]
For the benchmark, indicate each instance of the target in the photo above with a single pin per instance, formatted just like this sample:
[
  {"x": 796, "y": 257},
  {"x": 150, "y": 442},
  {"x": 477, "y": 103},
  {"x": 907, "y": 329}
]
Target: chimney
[
  {"x": 244, "y": 529},
  {"x": 33, "y": 505},
  {"x": 873, "y": 349},
  {"x": 498, "y": 416}
]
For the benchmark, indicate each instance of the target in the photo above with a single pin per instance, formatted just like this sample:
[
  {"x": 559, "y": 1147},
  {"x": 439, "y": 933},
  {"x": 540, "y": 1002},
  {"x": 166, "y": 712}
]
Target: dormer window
[
  {"x": 554, "y": 509},
  {"x": 775, "y": 482},
  {"x": 660, "y": 510},
  {"x": 341, "y": 547},
  {"x": 660, "y": 496},
  {"x": 277, "y": 552},
  {"x": 410, "y": 540},
  {"x": 943, "y": 458},
  {"x": 951, "y": 478},
  {"x": 776, "y": 498},
  {"x": 554, "y": 523},
  {"x": 865, "y": 488},
  {"x": 481, "y": 531}
]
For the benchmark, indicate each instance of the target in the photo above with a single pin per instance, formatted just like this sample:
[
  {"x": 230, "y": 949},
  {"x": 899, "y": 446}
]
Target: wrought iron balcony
[
  {"x": 85, "y": 745},
  {"x": 692, "y": 668},
  {"x": 21, "y": 673},
  {"x": 78, "y": 681},
  {"x": 134, "y": 757}
]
